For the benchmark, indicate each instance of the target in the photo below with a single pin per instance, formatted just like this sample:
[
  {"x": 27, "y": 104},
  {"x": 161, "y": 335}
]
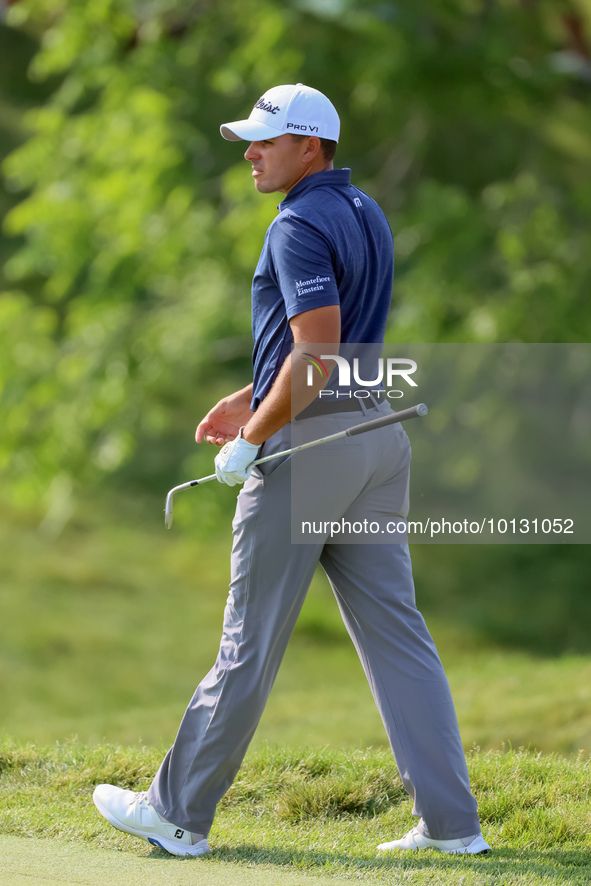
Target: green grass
[
  {"x": 106, "y": 630},
  {"x": 321, "y": 812}
]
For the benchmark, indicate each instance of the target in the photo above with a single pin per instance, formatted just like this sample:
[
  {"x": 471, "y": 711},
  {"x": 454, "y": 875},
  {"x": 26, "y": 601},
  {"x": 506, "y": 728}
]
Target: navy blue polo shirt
[{"x": 330, "y": 244}]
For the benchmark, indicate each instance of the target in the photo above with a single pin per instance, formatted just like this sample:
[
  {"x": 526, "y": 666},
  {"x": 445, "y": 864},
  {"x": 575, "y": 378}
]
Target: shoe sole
[
  {"x": 477, "y": 847},
  {"x": 173, "y": 849},
  {"x": 162, "y": 843}
]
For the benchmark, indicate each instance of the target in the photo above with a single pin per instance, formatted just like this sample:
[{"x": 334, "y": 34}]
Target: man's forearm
[
  {"x": 273, "y": 412},
  {"x": 289, "y": 394}
]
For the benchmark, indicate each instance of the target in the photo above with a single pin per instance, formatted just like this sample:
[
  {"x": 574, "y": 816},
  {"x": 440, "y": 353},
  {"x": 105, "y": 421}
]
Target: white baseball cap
[{"x": 298, "y": 109}]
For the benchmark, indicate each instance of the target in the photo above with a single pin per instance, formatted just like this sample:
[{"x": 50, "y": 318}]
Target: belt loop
[{"x": 363, "y": 405}]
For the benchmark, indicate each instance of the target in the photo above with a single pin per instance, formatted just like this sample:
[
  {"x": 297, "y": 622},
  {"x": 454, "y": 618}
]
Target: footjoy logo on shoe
[{"x": 179, "y": 834}]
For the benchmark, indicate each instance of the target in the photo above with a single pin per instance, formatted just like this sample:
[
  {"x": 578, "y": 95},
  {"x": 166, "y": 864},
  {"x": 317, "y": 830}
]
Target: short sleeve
[{"x": 303, "y": 263}]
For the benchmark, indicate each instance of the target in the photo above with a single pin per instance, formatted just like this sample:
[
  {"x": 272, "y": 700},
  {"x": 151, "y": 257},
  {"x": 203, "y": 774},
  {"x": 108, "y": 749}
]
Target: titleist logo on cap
[
  {"x": 288, "y": 108},
  {"x": 262, "y": 105}
]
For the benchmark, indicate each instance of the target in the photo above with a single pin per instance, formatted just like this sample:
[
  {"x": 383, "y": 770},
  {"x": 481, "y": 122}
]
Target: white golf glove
[{"x": 233, "y": 463}]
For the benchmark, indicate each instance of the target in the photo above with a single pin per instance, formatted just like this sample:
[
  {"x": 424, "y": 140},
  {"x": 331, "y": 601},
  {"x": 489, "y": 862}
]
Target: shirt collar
[{"x": 336, "y": 178}]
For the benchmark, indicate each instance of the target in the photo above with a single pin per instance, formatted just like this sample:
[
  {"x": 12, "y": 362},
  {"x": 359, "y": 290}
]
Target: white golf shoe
[
  {"x": 474, "y": 845},
  {"x": 132, "y": 812}
]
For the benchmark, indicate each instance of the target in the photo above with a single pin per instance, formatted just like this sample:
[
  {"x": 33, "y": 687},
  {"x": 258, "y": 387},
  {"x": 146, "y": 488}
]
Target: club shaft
[{"x": 374, "y": 424}]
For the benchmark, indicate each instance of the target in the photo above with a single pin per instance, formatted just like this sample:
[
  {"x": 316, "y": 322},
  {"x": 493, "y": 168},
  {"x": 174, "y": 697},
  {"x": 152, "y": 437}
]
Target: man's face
[{"x": 278, "y": 164}]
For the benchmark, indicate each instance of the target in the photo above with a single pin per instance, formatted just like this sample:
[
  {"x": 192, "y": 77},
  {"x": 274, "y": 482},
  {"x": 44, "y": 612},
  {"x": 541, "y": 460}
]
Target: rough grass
[
  {"x": 322, "y": 812},
  {"x": 106, "y": 631},
  {"x": 297, "y": 787}
]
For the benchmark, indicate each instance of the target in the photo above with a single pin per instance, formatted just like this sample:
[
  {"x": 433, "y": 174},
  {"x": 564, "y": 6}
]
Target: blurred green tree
[{"x": 127, "y": 302}]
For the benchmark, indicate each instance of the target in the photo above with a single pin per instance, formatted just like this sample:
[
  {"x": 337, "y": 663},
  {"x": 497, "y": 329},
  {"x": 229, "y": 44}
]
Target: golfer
[{"x": 324, "y": 276}]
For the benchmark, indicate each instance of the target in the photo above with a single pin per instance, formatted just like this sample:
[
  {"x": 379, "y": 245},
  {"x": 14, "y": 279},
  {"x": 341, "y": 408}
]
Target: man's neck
[{"x": 312, "y": 170}]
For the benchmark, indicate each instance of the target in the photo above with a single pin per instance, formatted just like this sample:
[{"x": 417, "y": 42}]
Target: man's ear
[{"x": 313, "y": 148}]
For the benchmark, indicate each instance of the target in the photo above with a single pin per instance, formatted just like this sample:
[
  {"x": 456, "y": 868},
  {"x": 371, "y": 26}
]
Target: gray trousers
[{"x": 368, "y": 479}]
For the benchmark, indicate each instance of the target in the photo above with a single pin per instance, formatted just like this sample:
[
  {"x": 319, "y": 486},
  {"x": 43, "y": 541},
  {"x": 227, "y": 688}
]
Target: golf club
[{"x": 364, "y": 427}]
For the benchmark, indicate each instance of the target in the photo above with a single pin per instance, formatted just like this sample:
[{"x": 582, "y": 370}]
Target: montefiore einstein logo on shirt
[{"x": 313, "y": 285}]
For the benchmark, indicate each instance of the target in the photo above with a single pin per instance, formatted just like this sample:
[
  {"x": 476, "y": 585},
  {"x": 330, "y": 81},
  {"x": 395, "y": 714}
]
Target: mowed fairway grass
[{"x": 105, "y": 630}]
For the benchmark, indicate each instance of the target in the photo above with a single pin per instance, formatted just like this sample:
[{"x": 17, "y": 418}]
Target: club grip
[{"x": 403, "y": 415}]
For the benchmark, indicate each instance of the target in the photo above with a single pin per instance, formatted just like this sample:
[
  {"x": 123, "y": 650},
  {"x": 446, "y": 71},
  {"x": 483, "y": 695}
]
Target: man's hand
[
  {"x": 223, "y": 422},
  {"x": 290, "y": 393},
  {"x": 234, "y": 463}
]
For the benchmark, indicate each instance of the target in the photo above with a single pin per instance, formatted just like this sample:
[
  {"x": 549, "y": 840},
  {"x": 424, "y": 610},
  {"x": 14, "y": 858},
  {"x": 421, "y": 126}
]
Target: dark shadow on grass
[{"x": 553, "y": 865}]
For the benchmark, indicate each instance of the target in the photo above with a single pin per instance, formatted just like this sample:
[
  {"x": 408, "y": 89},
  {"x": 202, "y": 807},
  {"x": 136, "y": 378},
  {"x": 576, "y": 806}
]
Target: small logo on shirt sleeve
[
  {"x": 357, "y": 201},
  {"x": 316, "y": 284}
]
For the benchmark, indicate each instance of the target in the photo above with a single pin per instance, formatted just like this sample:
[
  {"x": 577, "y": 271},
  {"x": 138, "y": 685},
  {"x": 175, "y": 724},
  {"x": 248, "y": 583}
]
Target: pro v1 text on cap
[{"x": 298, "y": 109}]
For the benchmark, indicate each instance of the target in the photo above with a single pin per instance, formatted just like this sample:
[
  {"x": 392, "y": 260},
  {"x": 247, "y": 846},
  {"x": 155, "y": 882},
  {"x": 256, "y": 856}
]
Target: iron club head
[{"x": 168, "y": 510}]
